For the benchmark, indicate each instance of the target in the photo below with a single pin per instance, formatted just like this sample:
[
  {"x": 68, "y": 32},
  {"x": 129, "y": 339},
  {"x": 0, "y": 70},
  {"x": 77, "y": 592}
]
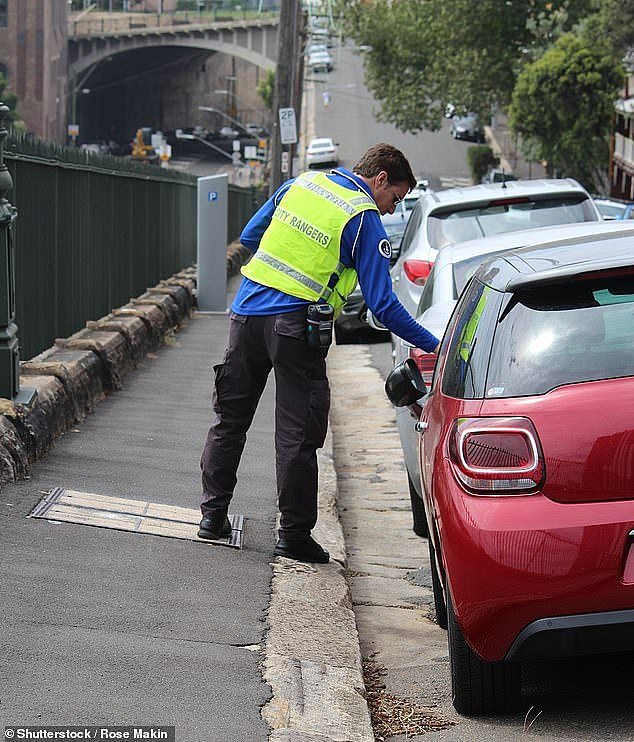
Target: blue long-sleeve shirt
[{"x": 363, "y": 247}]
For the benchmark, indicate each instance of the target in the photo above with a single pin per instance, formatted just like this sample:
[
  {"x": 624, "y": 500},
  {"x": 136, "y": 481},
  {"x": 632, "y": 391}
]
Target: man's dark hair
[{"x": 386, "y": 157}]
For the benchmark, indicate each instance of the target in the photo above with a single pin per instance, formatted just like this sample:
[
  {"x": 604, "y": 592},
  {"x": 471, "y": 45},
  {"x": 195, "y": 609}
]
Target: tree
[
  {"x": 265, "y": 89},
  {"x": 9, "y": 99},
  {"x": 614, "y": 22},
  {"x": 427, "y": 53},
  {"x": 563, "y": 105}
]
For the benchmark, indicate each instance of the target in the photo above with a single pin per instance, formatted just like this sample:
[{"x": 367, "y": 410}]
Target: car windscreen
[
  {"x": 611, "y": 211},
  {"x": 459, "y": 223},
  {"x": 562, "y": 334},
  {"x": 320, "y": 144}
]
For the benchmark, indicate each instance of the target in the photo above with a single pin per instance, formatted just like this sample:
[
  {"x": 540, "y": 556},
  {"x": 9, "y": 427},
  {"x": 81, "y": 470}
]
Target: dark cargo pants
[{"x": 302, "y": 401}]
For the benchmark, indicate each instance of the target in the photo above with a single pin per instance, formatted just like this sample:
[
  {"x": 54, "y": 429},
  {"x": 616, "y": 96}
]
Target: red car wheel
[{"x": 479, "y": 687}]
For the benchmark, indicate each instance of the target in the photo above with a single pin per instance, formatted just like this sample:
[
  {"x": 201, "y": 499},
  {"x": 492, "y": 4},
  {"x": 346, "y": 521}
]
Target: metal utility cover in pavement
[{"x": 89, "y": 509}]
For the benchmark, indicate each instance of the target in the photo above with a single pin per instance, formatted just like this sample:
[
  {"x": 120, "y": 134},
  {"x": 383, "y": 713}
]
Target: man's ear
[{"x": 381, "y": 178}]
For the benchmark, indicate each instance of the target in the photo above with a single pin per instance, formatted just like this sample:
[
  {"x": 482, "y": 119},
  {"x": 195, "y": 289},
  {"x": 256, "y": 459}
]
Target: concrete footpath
[{"x": 102, "y": 626}]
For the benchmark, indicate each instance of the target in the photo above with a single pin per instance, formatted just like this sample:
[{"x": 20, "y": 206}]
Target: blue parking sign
[{"x": 212, "y": 196}]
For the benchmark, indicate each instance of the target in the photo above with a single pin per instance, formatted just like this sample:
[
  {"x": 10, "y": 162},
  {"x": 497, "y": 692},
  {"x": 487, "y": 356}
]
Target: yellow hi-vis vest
[{"x": 299, "y": 251}]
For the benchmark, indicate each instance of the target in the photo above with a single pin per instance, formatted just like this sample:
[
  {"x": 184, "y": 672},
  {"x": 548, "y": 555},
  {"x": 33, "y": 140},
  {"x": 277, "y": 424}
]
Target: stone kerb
[{"x": 76, "y": 373}]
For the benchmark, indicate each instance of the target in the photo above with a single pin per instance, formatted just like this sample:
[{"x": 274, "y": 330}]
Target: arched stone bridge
[{"x": 91, "y": 41}]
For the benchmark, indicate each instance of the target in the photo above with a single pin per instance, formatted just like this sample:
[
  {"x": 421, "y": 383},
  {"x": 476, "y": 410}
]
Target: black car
[
  {"x": 353, "y": 320},
  {"x": 467, "y": 127}
]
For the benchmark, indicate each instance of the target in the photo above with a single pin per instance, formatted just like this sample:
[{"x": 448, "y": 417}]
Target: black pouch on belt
[{"x": 319, "y": 319}]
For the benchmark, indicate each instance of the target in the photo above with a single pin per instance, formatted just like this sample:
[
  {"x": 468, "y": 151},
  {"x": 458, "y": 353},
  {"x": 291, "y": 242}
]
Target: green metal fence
[{"x": 94, "y": 231}]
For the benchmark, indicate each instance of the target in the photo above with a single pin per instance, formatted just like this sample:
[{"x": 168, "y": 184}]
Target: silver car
[
  {"x": 452, "y": 270},
  {"x": 442, "y": 218},
  {"x": 467, "y": 127}
]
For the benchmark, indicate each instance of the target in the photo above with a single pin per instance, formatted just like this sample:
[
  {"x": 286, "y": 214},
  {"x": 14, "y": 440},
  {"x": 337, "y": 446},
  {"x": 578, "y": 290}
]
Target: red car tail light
[
  {"x": 496, "y": 455},
  {"x": 509, "y": 201},
  {"x": 417, "y": 270},
  {"x": 425, "y": 362}
]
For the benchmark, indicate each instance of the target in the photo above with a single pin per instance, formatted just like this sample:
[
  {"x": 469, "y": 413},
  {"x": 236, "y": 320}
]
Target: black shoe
[
  {"x": 215, "y": 526},
  {"x": 304, "y": 550}
]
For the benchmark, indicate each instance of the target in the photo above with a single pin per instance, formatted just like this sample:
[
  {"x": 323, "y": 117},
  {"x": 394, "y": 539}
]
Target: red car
[{"x": 527, "y": 464}]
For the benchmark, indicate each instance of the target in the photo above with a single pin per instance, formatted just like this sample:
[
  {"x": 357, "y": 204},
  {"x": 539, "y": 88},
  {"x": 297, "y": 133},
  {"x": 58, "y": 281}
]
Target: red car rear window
[{"x": 562, "y": 334}]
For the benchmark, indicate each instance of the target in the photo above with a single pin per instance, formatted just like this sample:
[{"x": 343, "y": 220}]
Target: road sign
[
  {"x": 288, "y": 127},
  {"x": 284, "y": 167},
  {"x": 73, "y": 130}
]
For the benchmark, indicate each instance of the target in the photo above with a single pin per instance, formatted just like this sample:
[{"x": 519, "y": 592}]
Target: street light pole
[
  {"x": 182, "y": 135},
  {"x": 9, "y": 354},
  {"x": 77, "y": 86},
  {"x": 238, "y": 98},
  {"x": 9, "y": 346},
  {"x": 226, "y": 115}
]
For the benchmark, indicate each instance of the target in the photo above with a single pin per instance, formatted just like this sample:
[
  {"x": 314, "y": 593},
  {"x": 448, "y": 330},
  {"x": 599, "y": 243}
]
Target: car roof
[
  {"x": 509, "y": 189},
  {"x": 535, "y": 237},
  {"x": 560, "y": 259},
  {"x": 611, "y": 202},
  {"x": 321, "y": 140}
]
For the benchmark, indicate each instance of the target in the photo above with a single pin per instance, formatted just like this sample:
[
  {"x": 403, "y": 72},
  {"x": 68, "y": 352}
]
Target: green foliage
[
  {"x": 427, "y": 53},
  {"x": 480, "y": 158},
  {"x": 9, "y": 99},
  {"x": 562, "y": 106},
  {"x": 265, "y": 89},
  {"x": 612, "y": 24}
]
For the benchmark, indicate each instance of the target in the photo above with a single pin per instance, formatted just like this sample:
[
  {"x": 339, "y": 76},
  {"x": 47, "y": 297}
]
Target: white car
[
  {"x": 316, "y": 49},
  {"x": 228, "y": 132},
  {"x": 320, "y": 62},
  {"x": 452, "y": 270},
  {"x": 442, "y": 218},
  {"x": 322, "y": 151}
]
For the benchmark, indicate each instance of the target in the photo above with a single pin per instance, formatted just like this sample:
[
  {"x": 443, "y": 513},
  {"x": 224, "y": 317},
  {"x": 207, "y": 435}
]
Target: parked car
[
  {"x": 452, "y": 270},
  {"x": 320, "y": 61},
  {"x": 442, "y": 218},
  {"x": 497, "y": 175},
  {"x": 611, "y": 208},
  {"x": 353, "y": 320},
  {"x": 322, "y": 151},
  {"x": 227, "y": 132},
  {"x": 467, "y": 127},
  {"x": 527, "y": 464},
  {"x": 256, "y": 130},
  {"x": 316, "y": 48}
]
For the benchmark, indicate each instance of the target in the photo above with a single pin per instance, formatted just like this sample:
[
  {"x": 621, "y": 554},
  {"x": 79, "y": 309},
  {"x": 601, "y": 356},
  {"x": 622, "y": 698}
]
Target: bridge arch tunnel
[{"x": 162, "y": 87}]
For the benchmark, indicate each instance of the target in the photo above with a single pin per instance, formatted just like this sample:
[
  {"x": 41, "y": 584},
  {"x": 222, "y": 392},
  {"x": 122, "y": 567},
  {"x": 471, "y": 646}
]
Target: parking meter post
[{"x": 213, "y": 208}]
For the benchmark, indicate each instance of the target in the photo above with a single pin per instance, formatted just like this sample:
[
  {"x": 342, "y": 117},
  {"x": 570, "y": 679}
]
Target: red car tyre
[
  {"x": 439, "y": 597},
  {"x": 479, "y": 687}
]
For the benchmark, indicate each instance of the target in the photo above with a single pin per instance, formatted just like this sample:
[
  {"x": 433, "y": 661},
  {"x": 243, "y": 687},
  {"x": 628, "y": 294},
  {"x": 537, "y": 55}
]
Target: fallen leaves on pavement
[{"x": 391, "y": 715}]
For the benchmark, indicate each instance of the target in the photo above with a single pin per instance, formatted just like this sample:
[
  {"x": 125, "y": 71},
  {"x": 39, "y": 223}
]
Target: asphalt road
[{"x": 350, "y": 119}]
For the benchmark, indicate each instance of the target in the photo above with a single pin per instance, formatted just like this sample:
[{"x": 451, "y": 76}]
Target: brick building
[
  {"x": 622, "y": 164},
  {"x": 33, "y": 44}
]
